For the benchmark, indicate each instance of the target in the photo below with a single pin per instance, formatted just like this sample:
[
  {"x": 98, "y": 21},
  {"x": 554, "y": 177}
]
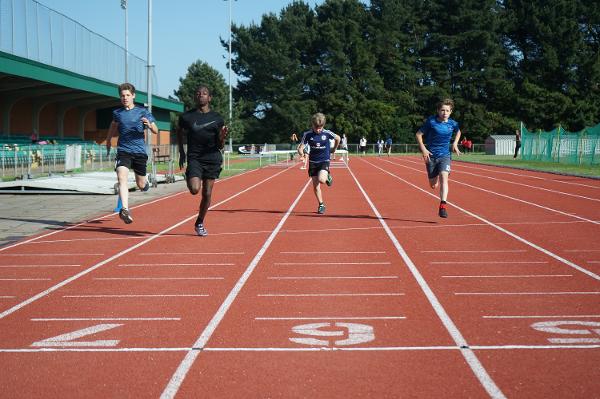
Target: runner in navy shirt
[
  {"x": 130, "y": 121},
  {"x": 317, "y": 140},
  {"x": 434, "y": 142}
]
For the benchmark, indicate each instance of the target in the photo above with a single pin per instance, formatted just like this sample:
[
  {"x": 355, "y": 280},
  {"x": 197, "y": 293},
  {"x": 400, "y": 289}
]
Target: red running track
[{"x": 377, "y": 298}]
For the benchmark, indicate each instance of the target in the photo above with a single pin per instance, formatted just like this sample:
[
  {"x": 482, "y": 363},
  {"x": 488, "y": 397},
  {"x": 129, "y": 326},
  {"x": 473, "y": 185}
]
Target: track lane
[
  {"x": 474, "y": 272},
  {"x": 292, "y": 287}
]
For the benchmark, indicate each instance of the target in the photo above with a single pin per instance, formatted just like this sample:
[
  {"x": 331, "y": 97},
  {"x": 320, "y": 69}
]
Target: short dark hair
[
  {"x": 446, "y": 101},
  {"x": 203, "y": 86},
  {"x": 127, "y": 86}
]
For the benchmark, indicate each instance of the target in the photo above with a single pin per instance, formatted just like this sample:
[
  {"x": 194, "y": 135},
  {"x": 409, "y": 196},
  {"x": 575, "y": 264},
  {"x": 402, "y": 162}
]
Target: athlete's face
[
  {"x": 317, "y": 129},
  {"x": 127, "y": 98},
  {"x": 203, "y": 96},
  {"x": 444, "y": 112}
]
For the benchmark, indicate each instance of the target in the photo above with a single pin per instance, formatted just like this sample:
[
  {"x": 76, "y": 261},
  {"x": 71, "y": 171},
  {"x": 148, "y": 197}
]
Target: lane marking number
[
  {"x": 68, "y": 339},
  {"x": 356, "y": 334},
  {"x": 592, "y": 331}
]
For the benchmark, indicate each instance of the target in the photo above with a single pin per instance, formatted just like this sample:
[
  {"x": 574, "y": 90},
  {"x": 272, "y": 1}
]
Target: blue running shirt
[
  {"x": 438, "y": 134},
  {"x": 319, "y": 144},
  {"x": 131, "y": 129}
]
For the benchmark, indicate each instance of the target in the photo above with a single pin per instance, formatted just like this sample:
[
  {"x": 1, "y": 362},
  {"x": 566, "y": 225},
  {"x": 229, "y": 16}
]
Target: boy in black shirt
[{"x": 206, "y": 133}]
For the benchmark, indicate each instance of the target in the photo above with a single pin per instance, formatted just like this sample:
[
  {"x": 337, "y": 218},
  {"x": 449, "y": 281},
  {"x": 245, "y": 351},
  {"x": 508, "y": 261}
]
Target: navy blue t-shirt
[
  {"x": 131, "y": 129},
  {"x": 319, "y": 144},
  {"x": 438, "y": 134}
]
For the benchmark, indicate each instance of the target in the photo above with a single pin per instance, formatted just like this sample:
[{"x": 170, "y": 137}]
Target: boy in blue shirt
[
  {"x": 434, "y": 140},
  {"x": 130, "y": 121},
  {"x": 317, "y": 140}
]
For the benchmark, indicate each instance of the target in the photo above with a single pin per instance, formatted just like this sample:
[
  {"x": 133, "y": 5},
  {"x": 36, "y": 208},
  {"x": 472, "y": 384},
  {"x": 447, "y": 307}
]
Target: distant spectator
[
  {"x": 34, "y": 138},
  {"x": 344, "y": 144},
  {"x": 379, "y": 147},
  {"x": 363, "y": 145},
  {"x": 388, "y": 145},
  {"x": 517, "y": 142},
  {"x": 466, "y": 144}
]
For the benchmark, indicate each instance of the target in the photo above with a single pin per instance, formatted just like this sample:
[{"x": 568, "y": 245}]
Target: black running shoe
[
  {"x": 125, "y": 216},
  {"x": 442, "y": 211},
  {"x": 321, "y": 209},
  {"x": 147, "y": 186}
]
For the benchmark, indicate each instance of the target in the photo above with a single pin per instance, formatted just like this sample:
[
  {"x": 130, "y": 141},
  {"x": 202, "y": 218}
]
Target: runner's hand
[{"x": 426, "y": 155}]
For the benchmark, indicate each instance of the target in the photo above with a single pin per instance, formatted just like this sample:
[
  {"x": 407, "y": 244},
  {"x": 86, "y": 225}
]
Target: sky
[{"x": 183, "y": 31}]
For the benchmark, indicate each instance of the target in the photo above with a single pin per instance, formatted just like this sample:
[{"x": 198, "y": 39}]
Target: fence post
[{"x": 29, "y": 162}]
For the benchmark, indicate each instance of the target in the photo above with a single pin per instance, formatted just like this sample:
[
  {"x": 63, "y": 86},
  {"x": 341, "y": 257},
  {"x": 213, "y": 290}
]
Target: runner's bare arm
[{"x": 111, "y": 132}]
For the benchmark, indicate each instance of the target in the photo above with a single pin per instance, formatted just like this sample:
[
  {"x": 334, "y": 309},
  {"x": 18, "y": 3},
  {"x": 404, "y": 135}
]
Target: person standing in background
[{"x": 517, "y": 142}]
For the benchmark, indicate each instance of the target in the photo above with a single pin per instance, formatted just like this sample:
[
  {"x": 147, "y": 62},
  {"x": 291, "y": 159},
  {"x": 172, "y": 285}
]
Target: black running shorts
[
  {"x": 137, "y": 162},
  {"x": 203, "y": 170},
  {"x": 315, "y": 167}
]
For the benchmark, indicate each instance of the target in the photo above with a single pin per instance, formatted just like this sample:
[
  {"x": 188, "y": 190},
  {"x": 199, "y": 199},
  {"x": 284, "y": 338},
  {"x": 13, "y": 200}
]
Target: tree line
[{"x": 377, "y": 68}]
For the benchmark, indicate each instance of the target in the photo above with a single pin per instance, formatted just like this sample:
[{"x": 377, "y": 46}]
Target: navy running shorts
[{"x": 315, "y": 167}]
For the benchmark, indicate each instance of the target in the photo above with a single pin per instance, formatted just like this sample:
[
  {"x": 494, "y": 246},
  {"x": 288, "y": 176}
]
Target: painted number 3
[{"x": 355, "y": 334}]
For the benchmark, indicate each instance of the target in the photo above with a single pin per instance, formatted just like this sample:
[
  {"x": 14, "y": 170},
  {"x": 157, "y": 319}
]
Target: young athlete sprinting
[
  {"x": 437, "y": 131},
  {"x": 130, "y": 121},
  {"x": 317, "y": 140},
  {"x": 206, "y": 132}
]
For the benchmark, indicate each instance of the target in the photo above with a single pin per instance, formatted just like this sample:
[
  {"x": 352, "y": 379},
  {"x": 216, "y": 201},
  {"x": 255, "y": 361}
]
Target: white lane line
[
  {"x": 61, "y": 254},
  {"x": 572, "y": 215},
  {"x": 307, "y": 349},
  {"x": 511, "y": 234},
  {"x": 333, "y": 252},
  {"x": 186, "y": 364},
  {"x": 333, "y": 318},
  {"x": 486, "y": 262},
  {"x": 544, "y": 317},
  {"x": 119, "y": 254},
  {"x": 334, "y": 278},
  {"x": 25, "y": 279},
  {"x": 329, "y": 263},
  {"x": 493, "y": 169},
  {"x": 513, "y": 276},
  {"x": 477, "y": 251},
  {"x": 582, "y": 250},
  {"x": 35, "y": 240},
  {"x": 7, "y": 296},
  {"x": 332, "y": 295},
  {"x": 35, "y": 266},
  {"x": 478, "y": 370},
  {"x": 135, "y": 295},
  {"x": 159, "y": 278},
  {"x": 173, "y": 264},
  {"x": 531, "y": 293},
  {"x": 106, "y": 319},
  {"x": 529, "y": 186},
  {"x": 190, "y": 253}
]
